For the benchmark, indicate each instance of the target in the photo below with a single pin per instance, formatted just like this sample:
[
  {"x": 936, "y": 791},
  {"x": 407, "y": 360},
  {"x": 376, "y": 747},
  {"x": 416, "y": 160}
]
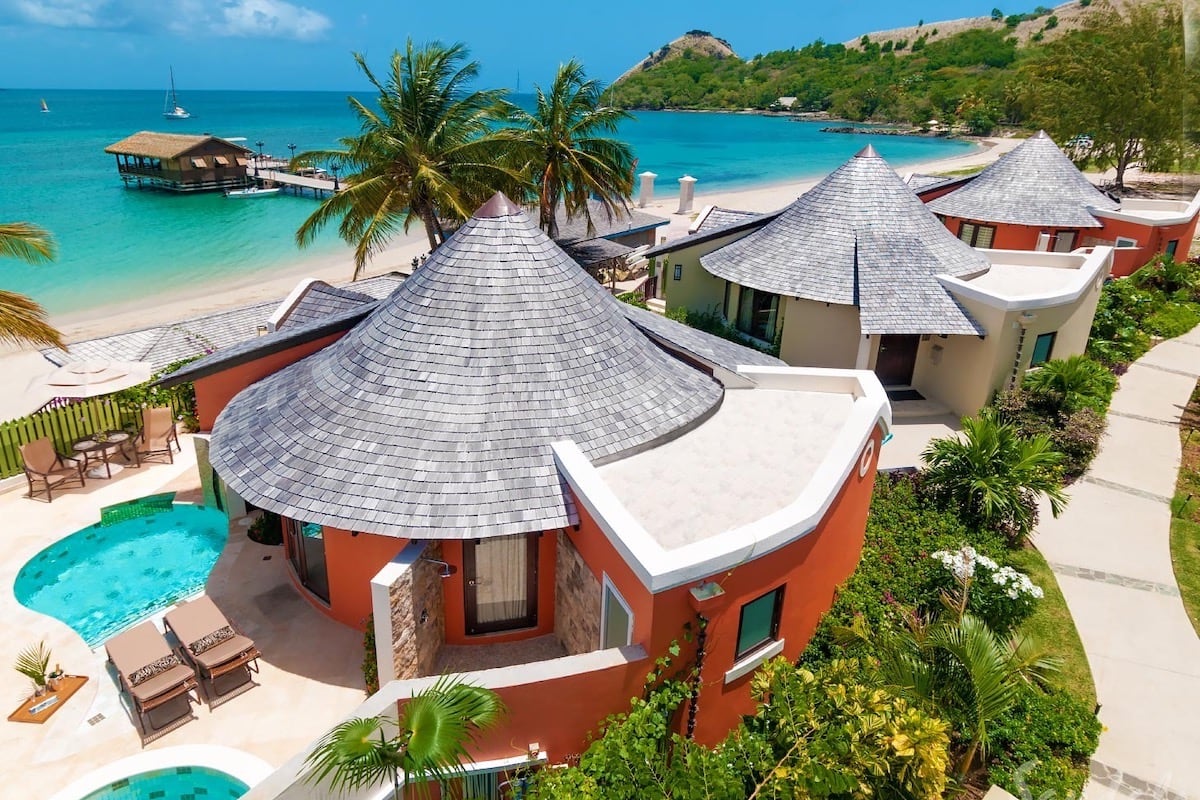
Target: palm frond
[
  {"x": 26, "y": 242},
  {"x": 24, "y": 321}
]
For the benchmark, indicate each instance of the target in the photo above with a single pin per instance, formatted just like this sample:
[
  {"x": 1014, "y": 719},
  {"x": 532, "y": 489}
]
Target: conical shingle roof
[
  {"x": 433, "y": 418},
  {"x": 1034, "y": 184},
  {"x": 860, "y": 237}
]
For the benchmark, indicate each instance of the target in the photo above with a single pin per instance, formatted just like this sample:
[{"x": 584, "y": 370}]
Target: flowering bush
[{"x": 1001, "y": 596}]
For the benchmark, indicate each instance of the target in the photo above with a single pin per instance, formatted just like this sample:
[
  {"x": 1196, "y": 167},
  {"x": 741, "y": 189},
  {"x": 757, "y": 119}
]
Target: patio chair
[
  {"x": 43, "y": 463},
  {"x": 211, "y": 643},
  {"x": 151, "y": 673},
  {"x": 157, "y": 434}
]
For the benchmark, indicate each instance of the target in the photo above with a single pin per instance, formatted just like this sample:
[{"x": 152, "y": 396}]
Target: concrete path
[{"x": 1110, "y": 551}]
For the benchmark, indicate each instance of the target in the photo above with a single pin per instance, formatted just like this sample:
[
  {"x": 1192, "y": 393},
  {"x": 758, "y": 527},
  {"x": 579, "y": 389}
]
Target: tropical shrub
[
  {"x": 267, "y": 528},
  {"x": 181, "y": 396},
  {"x": 370, "y": 666},
  {"x": 1166, "y": 275},
  {"x": 1173, "y": 319},
  {"x": 1001, "y": 596},
  {"x": 993, "y": 476},
  {"x": 1043, "y": 743},
  {"x": 633, "y": 299},
  {"x": 712, "y": 322},
  {"x": 1071, "y": 384}
]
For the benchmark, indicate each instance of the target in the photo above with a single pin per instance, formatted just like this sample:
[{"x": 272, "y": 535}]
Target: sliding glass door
[
  {"x": 306, "y": 550},
  {"x": 500, "y": 583}
]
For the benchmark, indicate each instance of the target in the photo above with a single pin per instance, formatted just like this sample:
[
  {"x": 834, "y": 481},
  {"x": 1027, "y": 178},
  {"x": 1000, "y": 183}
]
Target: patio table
[{"x": 92, "y": 449}]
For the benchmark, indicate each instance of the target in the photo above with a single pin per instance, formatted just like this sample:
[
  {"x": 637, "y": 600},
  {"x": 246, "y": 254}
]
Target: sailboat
[
  {"x": 171, "y": 107},
  {"x": 45, "y": 108}
]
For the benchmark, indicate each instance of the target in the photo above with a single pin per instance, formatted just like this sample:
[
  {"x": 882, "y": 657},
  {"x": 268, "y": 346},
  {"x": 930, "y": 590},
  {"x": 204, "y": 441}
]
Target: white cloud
[{"x": 261, "y": 19}]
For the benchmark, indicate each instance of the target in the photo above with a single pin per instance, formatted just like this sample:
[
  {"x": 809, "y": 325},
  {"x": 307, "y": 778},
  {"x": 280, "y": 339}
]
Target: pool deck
[{"x": 310, "y": 671}]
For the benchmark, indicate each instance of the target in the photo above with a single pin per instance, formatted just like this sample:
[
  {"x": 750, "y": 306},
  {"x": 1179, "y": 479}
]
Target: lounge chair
[
  {"x": 211, "y": 643},
  {"x": 43, "y": 463},
  {"x": 151, "y": 673},
  {"x": 157, "y": 434}
]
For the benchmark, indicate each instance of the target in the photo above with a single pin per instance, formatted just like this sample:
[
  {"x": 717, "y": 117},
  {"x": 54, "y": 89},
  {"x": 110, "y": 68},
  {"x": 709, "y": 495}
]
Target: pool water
[
  {"x": 173, "y": 783},
  {"x": 105, "y": 577}
]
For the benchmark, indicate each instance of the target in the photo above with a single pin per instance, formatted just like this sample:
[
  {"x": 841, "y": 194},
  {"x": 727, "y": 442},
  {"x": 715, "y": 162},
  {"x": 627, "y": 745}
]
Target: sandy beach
[{"x": 22, "y": 366}]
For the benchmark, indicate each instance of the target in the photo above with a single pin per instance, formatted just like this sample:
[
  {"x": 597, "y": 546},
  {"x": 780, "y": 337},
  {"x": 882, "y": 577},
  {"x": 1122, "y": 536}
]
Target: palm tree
[
  {"x": 23, "y": 321},
  {"x": 995, "y": 476},
  {"x": 1073, "y": 383},
  {"x": 429, "y": 741},
  {"x": 957, "y": 665},
  {"x": 427, "y": 153},
  {"x": 564, "y": 148}
]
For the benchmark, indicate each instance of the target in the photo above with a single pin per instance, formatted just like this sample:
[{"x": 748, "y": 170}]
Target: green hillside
[{"x": 967, "y": 77}]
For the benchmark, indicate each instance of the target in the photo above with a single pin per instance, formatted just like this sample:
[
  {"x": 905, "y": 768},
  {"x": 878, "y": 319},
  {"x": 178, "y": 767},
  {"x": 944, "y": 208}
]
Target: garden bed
[{"x": 1185, "y": 512}]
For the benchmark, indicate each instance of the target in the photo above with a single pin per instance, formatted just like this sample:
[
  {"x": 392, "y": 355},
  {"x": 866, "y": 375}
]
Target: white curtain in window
[{"x": 502, "y": 569}]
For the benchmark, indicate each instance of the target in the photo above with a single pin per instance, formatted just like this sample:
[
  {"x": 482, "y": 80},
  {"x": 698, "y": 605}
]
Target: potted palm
[
  {"x": 428, "y": 741},
  {"x": 32, "y": 662}
]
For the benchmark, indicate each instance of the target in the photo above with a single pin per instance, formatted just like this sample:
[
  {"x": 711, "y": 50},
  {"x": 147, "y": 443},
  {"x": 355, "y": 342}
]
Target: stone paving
[{"x": 1111, "y": 553}]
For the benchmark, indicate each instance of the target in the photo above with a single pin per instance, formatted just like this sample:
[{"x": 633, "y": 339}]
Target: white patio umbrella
[{"x": 91, "y": 378}]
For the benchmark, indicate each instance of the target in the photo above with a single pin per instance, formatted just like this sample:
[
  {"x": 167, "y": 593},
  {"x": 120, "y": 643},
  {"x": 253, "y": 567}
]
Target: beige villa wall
[
  {"x": 576, "y": 601},
  {"x": 819, "y": 334},
  {"x": 697, "y": 289},
  {"x": 970, "y": 370}
]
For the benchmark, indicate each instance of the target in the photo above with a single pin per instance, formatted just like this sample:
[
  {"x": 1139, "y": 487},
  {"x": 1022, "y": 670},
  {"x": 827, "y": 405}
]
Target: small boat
[
  {"x": 171, "y": 107},
  {"x": 252, "y": 191},
  {"x": 45, "y": 108}
]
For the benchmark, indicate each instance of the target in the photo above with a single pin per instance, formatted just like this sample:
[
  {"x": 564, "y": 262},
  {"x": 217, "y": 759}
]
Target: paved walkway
[{"x": 1111, "y": 553}]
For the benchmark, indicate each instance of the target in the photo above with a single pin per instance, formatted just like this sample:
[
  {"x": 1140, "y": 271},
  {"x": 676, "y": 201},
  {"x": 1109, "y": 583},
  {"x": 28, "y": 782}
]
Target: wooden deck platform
[{"x": 299, "y": 184}]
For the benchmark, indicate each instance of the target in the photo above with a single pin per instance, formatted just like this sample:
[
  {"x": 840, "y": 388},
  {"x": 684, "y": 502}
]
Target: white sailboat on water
[
  {"x": 171, "y": 107},
  {"x": 45, "y": 108}
]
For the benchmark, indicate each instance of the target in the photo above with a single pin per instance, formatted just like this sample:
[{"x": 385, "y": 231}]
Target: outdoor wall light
[
  {"x": 424, "y": 616},
  {"x": 446, "y": 570}
]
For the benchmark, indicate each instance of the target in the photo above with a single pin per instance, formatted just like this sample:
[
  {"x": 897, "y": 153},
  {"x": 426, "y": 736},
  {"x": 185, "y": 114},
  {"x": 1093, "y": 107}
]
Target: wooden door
[
  {"x": 896, "y": 359},
  {"x": 500, "y": 583}
]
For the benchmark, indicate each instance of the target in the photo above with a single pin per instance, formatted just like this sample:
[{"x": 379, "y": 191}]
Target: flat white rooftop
[
  {"x": 751, "y": 458},
  {"x": 1021, "y": 280}
]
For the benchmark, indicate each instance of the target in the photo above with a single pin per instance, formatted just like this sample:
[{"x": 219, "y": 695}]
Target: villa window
[
  {"x": 977, "y": 235},
  {"x": 678, "y": 272},
  {"x": 757, "y": 312},
  {"x": 725, "y": 306},
  {"x": 1125, "y": 242},
  {"x": 616, "y": 618},
  {"x": 1172, "y": 246},
  {"x": 759, "y": 622},
  {"x": 1043, "y": 349},
  {"x": 306, "y": 550}
]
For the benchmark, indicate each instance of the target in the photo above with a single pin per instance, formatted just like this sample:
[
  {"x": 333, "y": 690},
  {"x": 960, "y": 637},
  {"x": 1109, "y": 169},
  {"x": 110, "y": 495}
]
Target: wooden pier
[{"x": 298, "y": 184}]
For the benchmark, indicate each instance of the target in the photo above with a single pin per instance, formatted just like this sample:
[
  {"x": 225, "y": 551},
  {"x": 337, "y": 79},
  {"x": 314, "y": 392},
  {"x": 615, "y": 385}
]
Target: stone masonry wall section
[
  {"x": 418, "y": 617},
  {"x": 576, "y": 601}
]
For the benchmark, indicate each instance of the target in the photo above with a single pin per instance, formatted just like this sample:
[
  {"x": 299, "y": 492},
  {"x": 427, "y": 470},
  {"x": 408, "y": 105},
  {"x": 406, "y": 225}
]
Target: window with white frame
[
  {"x": 616, "y": 618},
  {"x": 758, "y": 624},
  {"x": 1125, "y": 242}
]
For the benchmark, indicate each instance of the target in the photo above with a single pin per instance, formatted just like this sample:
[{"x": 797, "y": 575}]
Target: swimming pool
[
  {"x": 103, "y": 578},
  {"x": 173, "y": 783}
]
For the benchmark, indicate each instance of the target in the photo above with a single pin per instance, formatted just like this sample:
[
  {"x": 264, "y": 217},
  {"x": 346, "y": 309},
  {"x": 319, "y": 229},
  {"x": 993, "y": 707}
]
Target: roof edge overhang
[
  {"x": 691, "y": 240},
  {"x": 1131, "y": 215},
  {"x": 268, "y": 345},
  {"x": 660, "y": 569},
  {"x": 1093, "y": 267}
]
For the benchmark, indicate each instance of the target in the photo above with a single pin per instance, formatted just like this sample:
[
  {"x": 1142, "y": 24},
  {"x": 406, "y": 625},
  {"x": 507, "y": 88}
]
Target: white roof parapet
[
  {"x": 1082, "y": 270},
  {"x": 1157, "y": 213},
  {"x": 289, "y": 302},
  {"x": 660, "y": 568}
]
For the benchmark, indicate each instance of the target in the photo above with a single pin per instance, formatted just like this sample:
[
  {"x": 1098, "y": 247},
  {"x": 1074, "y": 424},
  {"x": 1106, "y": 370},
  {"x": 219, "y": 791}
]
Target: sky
[{"x": 306, "y": 44}]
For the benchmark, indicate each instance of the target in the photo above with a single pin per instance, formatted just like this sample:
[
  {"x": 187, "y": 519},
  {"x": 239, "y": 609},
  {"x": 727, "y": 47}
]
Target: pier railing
[{"x": 65, "y": 425}]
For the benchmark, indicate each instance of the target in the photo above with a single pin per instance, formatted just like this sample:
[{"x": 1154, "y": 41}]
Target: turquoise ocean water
[{"x": 117, "y": 244}]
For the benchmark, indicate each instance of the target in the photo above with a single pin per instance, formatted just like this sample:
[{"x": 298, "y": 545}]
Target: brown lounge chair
[
  {"x": 157, "y": 434},
  {"x": 43, "y": 463},
  {"x": 143, "y": 660},
  {"x": 211, "y": 643}
]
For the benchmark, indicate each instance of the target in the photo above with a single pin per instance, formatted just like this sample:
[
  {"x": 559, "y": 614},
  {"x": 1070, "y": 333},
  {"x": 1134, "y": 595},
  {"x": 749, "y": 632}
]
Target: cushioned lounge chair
[
  {"x": 210, "y": 642},
  {"x": 158, "y": 434},
  {"x": 151, "y": 673},
  {"x": 43, "y": 463}
]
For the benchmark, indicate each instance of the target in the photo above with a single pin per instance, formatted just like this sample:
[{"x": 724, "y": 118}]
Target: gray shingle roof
[
  {"x": 163, "y": 344},
  {"x": 700, "y": 237},
  {"x": 1034, "y": 184},
  {"x": 919, "y": 182},
  {"x": 705, "y": 346},
  {"x": 860, "y": 237},
  {"x": 433, "y": 418},
  {"x": 588, "y": 252},
  {"x": 718, "y": 217},
  {"x": 321, "y": 301},
  {"x": 574, "y": 229}
]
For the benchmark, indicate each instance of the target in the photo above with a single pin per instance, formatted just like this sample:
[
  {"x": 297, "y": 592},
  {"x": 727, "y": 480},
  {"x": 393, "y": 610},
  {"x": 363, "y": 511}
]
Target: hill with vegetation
[
  {"x": 699, "y": 43},
  {"x": 962, "y": 71}
]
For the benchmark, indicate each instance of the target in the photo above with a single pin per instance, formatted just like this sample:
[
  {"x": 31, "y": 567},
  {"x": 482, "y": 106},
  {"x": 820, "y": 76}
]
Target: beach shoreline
[{"x": 197, "y": 299}]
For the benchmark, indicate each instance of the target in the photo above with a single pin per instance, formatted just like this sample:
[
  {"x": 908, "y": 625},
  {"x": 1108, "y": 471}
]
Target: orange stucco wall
[
  {"x": 351, "y": 561},
  {"x": 810, "y": 569},
  {"x": 453, "y": 595},
  {"x": 214, "y": 392}
]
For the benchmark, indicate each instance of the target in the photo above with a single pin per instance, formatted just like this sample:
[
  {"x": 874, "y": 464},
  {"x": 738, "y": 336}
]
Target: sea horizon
[{"x": 118, "y": 244}]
